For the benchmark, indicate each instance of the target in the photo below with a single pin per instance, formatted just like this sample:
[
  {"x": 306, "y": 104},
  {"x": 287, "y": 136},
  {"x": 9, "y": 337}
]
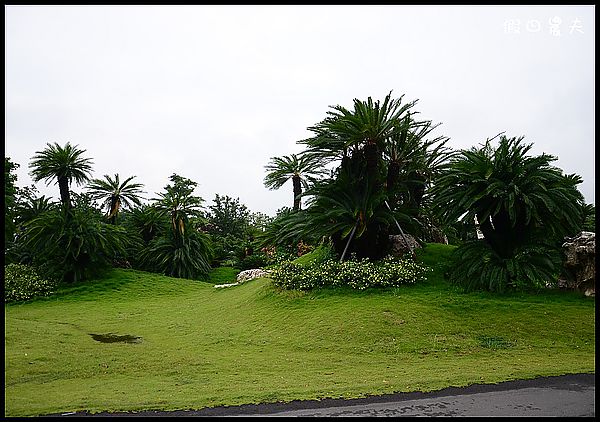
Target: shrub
[
  {"x": 257, "y": 260},
  {"x": 361, "y": 274},
  {"x": 318, "y": 255},
  {"x": 478, "y": 267},
  {"x": 74, "y": 244},
  {"x": 22, "y": 282}
]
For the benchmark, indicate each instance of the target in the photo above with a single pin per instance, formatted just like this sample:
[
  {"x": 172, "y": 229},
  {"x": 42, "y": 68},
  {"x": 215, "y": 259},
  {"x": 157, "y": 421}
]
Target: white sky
[{"x": 212, "y": 92}]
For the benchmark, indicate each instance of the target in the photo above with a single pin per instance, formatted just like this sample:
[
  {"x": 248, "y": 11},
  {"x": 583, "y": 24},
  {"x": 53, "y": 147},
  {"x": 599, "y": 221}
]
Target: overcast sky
[{"x": 212, "y": 92}]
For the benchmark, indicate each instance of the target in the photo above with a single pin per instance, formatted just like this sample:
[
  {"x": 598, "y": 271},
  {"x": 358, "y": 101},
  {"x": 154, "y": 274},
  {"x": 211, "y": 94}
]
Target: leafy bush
[
  {"x": 179, "y": 256},
  {"x": 319, "y": 254},
  {"x": 74, "y": 244},
  {"x": 357, "y": 274},
  {"x": 257, "y": 260},
  {"x": 478, "y": 267},
  {"x": 22, "y": 282}
]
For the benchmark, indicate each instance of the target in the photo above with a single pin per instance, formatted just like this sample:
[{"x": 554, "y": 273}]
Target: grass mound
[{"x": 182, "y": 344}]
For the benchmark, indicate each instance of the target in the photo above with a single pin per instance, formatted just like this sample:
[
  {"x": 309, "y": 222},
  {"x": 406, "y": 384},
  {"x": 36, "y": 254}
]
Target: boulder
[
  {"x": 403, "y": 244},
  {"x": 251, "y": 274},
  {"x": 580, "y": 263},
  {"x": 245, "y": 276}
]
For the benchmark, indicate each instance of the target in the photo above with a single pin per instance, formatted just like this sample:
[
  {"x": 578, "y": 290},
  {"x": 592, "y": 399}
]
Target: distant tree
[
  {"x": 10, "y": 193},
  {"x": 227, "y": 216},
  {"x": 179, "y": 203},
  {"x": 260, "y": 221},
  {"x": 115, "y": 194},
  {"x": 297, "y": 168},
  {"x": 181, "y": 249},
  {"x": 61, "y": 165}
]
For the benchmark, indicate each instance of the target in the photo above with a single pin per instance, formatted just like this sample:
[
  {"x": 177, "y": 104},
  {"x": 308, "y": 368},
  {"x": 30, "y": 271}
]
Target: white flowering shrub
[
  {"x": 22, "y": 282},
  {"x": 361, "y": 274}
]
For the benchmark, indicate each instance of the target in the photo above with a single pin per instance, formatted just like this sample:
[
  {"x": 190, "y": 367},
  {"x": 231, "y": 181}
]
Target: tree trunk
[
  {"x": 371, "y": 154},
  {"x": 297, "y": 191},
  {"x": 65, "y": 196},
  {"x": 114, "y": 210},
  {"x": 498, "y": 233},
  {"x": 417, "y": 189},
  {"x": 392, "y": 177}
]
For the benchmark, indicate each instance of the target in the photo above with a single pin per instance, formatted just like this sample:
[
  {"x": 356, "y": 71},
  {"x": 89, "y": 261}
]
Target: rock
[
  {"x": 251, "y": 274},
  {"x": 220, "y": 286},
  {"x": 245, "y": 276},
  {"x": 402, "y": 244},
  {"x": 580, "y": 263}
]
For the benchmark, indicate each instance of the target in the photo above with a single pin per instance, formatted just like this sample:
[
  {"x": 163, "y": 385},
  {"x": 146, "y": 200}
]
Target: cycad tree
[
  {"x": 522, "y": 203},
  {"x": 359, "y": 134},
  {"x": 382, "y": 151},
  {"x": 61, "y": 165},
  {"x": 181, "y": 249},
  {"x": 414, "y": 159},
  {"x": 300, "y": 169},
  {"x": 115, "y": 194},
  {"x": 73, "y": 244},
  {"x": 179, "y": 203}
]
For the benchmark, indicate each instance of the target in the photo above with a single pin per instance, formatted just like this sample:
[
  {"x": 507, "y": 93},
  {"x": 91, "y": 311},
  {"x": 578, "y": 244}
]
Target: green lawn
[{"x": 200, "y": 346}]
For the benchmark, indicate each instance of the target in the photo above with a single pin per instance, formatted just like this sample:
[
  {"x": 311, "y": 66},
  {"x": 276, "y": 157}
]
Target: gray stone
[
  {"x": 402, "y": 244},
  {"x": 580, "y": 263}
]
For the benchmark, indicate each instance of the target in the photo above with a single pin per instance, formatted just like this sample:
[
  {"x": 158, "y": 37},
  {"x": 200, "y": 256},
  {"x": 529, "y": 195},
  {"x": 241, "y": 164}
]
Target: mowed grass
[{"x": 200, "y": 346}]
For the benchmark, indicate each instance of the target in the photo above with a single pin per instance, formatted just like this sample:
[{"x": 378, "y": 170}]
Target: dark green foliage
[
  {"x": 170, "y": 232},
  {"x": 145, "y": 221},
  {"x": 385, "y": 162},
  {"x": 357, "y": 274},
  {"x": 10, "y": 192},
  {"x": 22, "y": 282},
  {"x": 73, "y": 244},
  {"x": 256, "y": 260},
  {"x": 476, "y": 266},
  {"x": 179, "y": 203},
  {"x": 61, "y": 165},
  {"x": 115, "y": 194},
  {"x": 300, "y": 169},
  {"x": 28, "y": 208},
  {"x": 228, "y": 217},
  {"x": 186, "y": 256},
  {"x": 228, "y": 250},
  {"x": 589, "y": 218},
  {"x": 513, "y": 196},
  {"x": 524, "y": 207},
  {"x": 233, "y": 230}
]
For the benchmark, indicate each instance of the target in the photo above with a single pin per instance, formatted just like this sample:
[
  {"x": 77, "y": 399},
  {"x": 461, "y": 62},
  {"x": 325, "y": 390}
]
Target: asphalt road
[{"x": 561, "y": 396}]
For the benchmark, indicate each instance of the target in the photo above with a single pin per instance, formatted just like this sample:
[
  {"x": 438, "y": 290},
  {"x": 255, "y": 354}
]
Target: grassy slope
[{"x": 204, "y": 346}]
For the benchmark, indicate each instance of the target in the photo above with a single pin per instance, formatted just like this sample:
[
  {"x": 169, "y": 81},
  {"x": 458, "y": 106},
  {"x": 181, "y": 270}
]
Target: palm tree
[
  {"x": 301, "y": 169},
  {"x": 524, "y": 206},
  {"x": 359, "y": 138},
  {"x": 181, "y": 249},
  {"x": 359, "y": 134},
  {"x": 115, "y": 194},
  {"x": 73, "y": 245},
  {"x": 179, "y": 203},
  {"x": 62, "y": 165},
  {"x": 510, "y": 193},
  {"x": 413, "y": 160}
]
